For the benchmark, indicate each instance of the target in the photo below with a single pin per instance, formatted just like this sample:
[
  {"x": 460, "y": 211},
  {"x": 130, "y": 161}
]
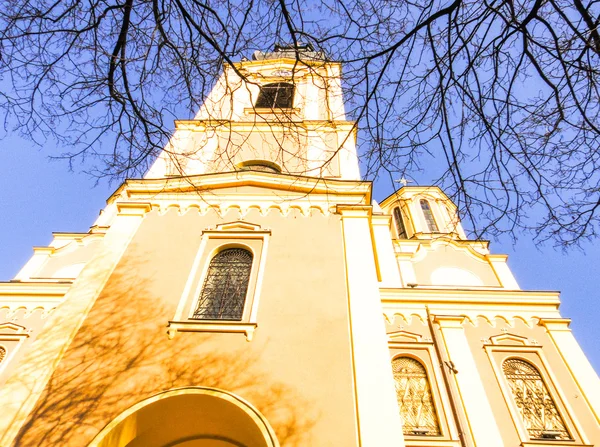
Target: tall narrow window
[
  {"x": 535, "y": 404},
  {"x": 399, "y": 223},
  {"x": 429, "y": 219},
  {"x": 225, "y": 286},
  {"x": 2, "y": 353},
  {"x": 414, "y": 398},
  {"x": 273, "y": 96}
]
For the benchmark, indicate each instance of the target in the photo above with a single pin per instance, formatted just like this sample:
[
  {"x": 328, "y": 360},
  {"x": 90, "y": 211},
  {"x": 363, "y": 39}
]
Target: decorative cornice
[
  {"x": 267, "y": 125},
  {"x": 469, "y": 246},
  {"x": 273, "y": 191},
  {"x": 32, "y": 295},
  {"x": 480, "y": 297},
  {"x": 209, "y": 182},
  {"x": 411, "y": 191},
  {"x": 299, "y": 65}
]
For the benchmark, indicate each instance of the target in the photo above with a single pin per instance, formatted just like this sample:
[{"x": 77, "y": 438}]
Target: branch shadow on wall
[{"x": 121, "y": 355}]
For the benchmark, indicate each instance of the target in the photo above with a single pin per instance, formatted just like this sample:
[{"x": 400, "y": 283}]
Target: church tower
[{"x": 248, "y": 291}]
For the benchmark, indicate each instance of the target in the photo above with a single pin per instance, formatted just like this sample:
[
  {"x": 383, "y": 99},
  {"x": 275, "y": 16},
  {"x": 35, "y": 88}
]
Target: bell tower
[{"x": 273, "y": 113}]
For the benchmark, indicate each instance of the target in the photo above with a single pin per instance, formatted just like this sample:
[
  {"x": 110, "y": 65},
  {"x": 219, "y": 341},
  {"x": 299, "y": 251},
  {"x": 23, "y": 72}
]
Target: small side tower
[
  {"x": 476, "y": 360},
  {"x": 272, "y": 111}
]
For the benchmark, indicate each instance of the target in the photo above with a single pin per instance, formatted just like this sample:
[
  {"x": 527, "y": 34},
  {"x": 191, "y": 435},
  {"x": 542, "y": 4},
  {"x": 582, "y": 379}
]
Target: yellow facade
[{"x": 249, "y": 292}]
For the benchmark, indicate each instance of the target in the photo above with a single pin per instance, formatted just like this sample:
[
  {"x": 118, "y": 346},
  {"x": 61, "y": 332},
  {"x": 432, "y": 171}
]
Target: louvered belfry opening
[
  {"x": 225, "y": 286},
  {"x": 279, "y": 95}
]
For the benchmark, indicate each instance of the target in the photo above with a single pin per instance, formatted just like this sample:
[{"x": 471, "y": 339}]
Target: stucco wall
[
  {"x": 297, "y": 370},
  {"x": 71, "y": 254},
  {"x": 430, "y": 264},
  {"x": 16, "y": 342}
]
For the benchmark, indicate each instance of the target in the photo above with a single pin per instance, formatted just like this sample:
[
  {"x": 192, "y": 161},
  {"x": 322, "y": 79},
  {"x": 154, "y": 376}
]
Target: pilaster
[
  {"x": 481, "y": 422},
  {"x": 376, "y": 405},
  {"x": 573, "y": 356},
  {"x": 388, "y": 265}
]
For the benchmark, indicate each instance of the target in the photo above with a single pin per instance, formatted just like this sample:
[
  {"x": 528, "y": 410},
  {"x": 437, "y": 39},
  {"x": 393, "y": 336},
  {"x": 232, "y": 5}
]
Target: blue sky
[{"x": 38, "y": 196}]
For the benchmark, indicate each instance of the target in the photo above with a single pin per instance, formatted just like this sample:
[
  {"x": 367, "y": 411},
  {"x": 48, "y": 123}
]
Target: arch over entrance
[{"x": 189, "y": 417}]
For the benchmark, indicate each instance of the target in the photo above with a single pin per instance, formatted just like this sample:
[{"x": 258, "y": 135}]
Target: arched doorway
[{"x": 189, "y": 417}]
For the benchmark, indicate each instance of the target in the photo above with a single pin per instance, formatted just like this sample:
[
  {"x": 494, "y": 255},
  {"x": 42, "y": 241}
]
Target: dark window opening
[
  {"x": 260, "y": 165},
  {"x": 400, "y": 229},
  {"x": 429, "y": 219},
  {"x": 276, "y": 96}
]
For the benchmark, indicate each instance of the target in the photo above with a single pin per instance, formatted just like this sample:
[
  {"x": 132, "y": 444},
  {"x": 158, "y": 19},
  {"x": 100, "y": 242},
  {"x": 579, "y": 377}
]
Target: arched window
[
  {"x": 225, "y": 286},
  {"x": 414, "y": 398},
  {"x": 276, "y": 96},
  {"x": 2, "y": 353},
  {"x": 260, "y": 165},
  {"x": 429, "y": 219},
  {"x": 399, "y": 223},
  {"x": 535, "y": 404}
]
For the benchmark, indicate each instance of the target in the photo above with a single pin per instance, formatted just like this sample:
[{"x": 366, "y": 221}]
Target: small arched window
[
  {"x": 225, "y": 287},
  {"x": 414, "y": 398},
  {"x": 535, "y": 404},
  {"x": 2, "y": 353},
  {"x": 429, "y": 219},
  {"x": 400, "y": 229},
  {"x": 279, "y": 95},
  {"x": 260, "y": 165}
]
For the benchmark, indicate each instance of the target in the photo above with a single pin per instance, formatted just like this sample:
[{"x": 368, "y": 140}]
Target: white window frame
[
  {"x": 407, "y": 344},
  {"x": 543, "y": 367},
  {"x": 232, "y": 235}
]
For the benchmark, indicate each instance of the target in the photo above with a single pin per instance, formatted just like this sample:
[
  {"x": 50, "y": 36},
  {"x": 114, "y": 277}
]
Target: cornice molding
[
  {"x": 50, "y": 289},
  {"x": 209, "y": 182},
  {"x": 274, "y": 191},
  {"x": 267, "y": 125},
  {"x": 485, "y": 297},
  {"x": 32, "y": 295},
  {"x": 408, "y": 192},
  {"x": 298, "y": 65},
  {"x": 468, "y": 245}
]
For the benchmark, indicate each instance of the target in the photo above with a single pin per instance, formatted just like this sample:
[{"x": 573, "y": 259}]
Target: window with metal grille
[
  {"x": 276, "y": 96},
  {"x": 225, "y": 286},
  {"x": 2, "y": 353},
  {"x": 414, "y": 398},
  {"x": 429, "y": 219},
  {"x": 535, "y": 404},
  {"x": 399, "y": 223}
]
